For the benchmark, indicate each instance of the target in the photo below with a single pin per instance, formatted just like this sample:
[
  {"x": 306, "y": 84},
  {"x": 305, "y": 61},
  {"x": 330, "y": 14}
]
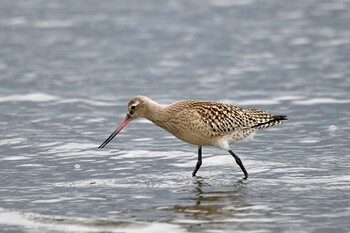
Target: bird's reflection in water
[{"x": 203, "y": 200}]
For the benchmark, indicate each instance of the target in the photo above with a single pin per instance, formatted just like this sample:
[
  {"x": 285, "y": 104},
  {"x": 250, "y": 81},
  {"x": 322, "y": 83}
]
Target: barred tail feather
[
  {"x": 275, "y": 120},
  {"x": 280, "y": 118}
]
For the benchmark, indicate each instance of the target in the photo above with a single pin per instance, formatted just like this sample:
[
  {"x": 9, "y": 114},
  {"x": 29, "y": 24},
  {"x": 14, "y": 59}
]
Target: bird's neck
[{"x": 155, "y": 112}]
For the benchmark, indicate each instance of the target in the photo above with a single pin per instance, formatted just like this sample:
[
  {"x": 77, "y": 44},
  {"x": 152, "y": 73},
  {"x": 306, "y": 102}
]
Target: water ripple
[
  {"x": 66, "y": 224},
  {"x": 42, "y": 97}
]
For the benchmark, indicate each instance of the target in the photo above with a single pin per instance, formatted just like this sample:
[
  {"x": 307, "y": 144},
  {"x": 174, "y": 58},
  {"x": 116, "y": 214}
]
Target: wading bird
[{"x": 202, "y": 123}]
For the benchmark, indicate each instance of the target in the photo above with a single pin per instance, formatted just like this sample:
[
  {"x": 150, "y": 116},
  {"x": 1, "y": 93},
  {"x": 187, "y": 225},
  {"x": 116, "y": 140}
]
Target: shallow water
[{"x": 68, "y": 69}]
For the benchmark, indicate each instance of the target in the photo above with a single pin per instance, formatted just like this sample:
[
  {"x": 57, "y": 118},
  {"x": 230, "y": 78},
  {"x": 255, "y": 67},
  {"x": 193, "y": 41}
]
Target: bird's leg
[
  {"x": 239, "y": 162},
  {"x": 199, "y": 162}
]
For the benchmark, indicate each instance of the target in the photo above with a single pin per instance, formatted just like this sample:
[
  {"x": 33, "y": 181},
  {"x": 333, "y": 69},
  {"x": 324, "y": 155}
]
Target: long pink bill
[{"x": 122, "y": 124}]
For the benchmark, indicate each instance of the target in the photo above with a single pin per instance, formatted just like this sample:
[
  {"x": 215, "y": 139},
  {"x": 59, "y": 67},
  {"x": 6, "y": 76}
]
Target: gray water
[{"x": 68, "y": 69}]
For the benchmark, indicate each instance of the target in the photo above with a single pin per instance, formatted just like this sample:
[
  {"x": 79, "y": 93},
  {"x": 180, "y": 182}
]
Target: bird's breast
[{"x": 190, "y": 133}]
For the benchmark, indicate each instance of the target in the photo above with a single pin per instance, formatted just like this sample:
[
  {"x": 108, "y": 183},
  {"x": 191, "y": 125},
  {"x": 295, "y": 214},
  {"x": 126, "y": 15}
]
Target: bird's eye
[{"x": 133, "y": 107}]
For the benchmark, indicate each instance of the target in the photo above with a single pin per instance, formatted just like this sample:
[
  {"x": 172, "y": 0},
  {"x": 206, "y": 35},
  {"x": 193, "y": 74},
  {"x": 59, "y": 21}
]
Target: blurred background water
[{"x": 68, "y": 69}]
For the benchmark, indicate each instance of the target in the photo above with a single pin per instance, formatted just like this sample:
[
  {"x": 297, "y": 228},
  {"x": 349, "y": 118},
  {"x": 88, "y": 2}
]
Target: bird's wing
[{"x": 223, "y": 118}]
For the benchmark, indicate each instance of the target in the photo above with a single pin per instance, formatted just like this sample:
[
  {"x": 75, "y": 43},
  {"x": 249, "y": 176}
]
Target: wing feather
[{"x": 224, "y": 118}]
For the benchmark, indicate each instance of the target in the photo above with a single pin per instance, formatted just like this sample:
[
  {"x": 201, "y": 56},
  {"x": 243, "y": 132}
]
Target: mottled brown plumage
[{"x": 202, "y": 123}]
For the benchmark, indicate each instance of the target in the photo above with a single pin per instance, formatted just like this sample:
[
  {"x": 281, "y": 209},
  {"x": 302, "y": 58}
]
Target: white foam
[
  {"x": 314, "y": 101},
  {"x": 11, "y": 158},
  {"x": 151, "y": 154},
  {"x": 309, "y": 140},
  {"x": 254, "y": 102},
  {"x": 330, "y": 182},
  {"x": 54, "y": 200},
  {"x": 142, "y": 139},
  {"x": 86, "y": 101},
  {"x": 43, "y": 97},
  {"x": 332, "y": 128},
  {"x": 259, "y": 102},
  {"x": 11, "y": 141},
  {"x": 30, "y": 165},
  {"x": 31, "y": 97},
  {"x": 72, "y": 147},
  {"x": 43, "y": 223},
  {"x": 226, "y": 3}
]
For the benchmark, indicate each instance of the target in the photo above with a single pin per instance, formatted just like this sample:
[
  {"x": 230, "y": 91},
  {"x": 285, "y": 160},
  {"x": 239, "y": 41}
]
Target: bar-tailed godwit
[{"x": 202, "y": 123}]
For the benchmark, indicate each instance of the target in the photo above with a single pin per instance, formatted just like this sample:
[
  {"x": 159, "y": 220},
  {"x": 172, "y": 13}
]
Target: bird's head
[{"x": 137, "y": 107}]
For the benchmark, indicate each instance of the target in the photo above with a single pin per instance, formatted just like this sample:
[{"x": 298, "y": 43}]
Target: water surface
[{"x": 68, "y": 69}]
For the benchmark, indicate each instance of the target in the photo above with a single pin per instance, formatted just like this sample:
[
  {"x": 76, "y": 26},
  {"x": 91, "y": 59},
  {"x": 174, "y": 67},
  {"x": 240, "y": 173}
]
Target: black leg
[
  {"x": 199, "y": 162},
  {"x": 239, "y": 162}
]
